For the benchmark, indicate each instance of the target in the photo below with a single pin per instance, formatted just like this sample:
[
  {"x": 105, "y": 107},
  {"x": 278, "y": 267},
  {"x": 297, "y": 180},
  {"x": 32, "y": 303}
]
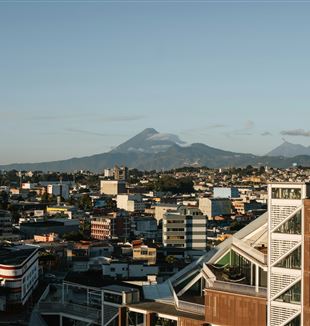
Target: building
[
  {"x": 5, "y": 225},
  {"x": 100, "y": 228},
  {"x": 289, "y": 254},
  {"x": 225, "y": 192},
  {"x": 59, "y": 226},
  {"x": 19, "y": 272},
  {"x": 215, "y": 207},
  {"x": 120, "y": 173},
  {"x": 144, "y": 253},
  {"x": 61, "y": 209},
  {"x": 60, "y": 189},
  {"x": 144, "y": 227},
  {"x": 161, "y": 209},
  {"x": 50, "y": 237},
  {"x": 130, "y": 203},
  {"x": 185, "y": 227},
  {"x": 112, "y": 187},
  {"x": 121, "y": 226},
  {"x": 125, "y": 270}
]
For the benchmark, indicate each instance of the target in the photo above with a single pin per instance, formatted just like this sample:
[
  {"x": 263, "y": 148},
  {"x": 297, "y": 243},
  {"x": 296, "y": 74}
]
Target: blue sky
[{"x": 79, "y": 78}]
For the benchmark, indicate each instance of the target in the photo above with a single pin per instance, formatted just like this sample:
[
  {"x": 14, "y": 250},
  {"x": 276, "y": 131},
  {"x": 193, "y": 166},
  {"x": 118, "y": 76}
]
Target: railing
[
  {"x": 193, "y": 308},
  {"x": 250, "y": 250},
  {"x": 239, "y": 288},
  {"x": 83, "y": 312}
]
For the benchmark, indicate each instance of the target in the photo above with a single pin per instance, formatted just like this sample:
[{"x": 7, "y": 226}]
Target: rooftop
[
  {"x": 164, "y": 308},
  {"x": 15, "y": 255}
]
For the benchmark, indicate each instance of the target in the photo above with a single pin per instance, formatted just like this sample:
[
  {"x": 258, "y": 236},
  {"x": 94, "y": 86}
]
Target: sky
[{"x": 80, "y": 77}]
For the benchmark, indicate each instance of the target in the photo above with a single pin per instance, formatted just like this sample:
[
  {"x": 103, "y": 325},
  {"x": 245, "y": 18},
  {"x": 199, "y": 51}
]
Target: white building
[
  {"x": 112, "y": 187},
  {"x": 130, "y": 203},
  {"x": 59, "y": 189},
  {"x": 286, "y": 252},
  {"x": 215, "y": 206},
  {"x": 19, "y": 270}
]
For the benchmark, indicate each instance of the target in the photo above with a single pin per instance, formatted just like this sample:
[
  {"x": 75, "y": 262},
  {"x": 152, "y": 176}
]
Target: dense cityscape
[
  {"x": 154, "y": 163},
  {"x": 130, "y": 247}
]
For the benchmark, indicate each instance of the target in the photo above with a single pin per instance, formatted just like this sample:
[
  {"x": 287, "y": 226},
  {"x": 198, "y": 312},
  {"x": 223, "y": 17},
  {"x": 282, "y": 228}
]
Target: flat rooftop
[{"x": 15, "y": 256}]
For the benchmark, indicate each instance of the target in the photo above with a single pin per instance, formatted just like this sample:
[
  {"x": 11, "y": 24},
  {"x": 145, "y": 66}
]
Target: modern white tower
[{"x": 286, "y": 252}]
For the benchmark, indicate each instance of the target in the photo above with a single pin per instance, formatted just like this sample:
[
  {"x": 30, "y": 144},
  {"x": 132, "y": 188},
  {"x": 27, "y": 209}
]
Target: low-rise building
[
  {"x": 144, "y": 253},
  {"x": 215, "y": 207}
]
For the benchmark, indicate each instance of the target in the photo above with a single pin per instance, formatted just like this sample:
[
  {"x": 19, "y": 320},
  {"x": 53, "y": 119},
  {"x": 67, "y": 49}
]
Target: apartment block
[{"x": 185, "y": 227}]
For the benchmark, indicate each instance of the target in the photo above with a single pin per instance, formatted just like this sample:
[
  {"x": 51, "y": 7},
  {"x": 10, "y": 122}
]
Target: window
[
  {"x": 292, "y": 295},
  {"x": 292, "y": 226},
  {"x": 292, "y": 261},
  {"x": 286, "y": 193}
]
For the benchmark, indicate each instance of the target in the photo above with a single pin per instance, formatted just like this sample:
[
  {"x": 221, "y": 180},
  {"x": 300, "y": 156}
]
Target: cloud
[
  {"x": 86, "y": 132},
  {"x": 296, "y": 132},
  {"x": 266, "y": 133}
]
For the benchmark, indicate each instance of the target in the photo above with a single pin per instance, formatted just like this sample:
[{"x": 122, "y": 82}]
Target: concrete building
[
  {"x": 225, "y": 192},
  {"x": 112, "y": 187},
  {"x": 185, "y": 227},
  {"x": 161, "y": 209},
  {"x": 100, "y": 228},
  {"x": 215, "y": 207},
  {"x": 19, "y": 270},
  {"x": 130, "y": 203}
]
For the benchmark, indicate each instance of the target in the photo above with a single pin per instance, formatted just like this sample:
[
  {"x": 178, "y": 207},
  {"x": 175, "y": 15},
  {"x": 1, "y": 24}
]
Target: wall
[{"x": 230, "y": 309}]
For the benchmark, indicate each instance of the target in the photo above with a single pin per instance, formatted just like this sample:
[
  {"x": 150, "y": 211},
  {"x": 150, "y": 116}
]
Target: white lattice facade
[{"x": 285, "y": 248}]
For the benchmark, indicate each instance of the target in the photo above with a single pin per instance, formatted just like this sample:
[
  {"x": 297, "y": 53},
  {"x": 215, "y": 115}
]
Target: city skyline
[{"x": 81, "y": 78}]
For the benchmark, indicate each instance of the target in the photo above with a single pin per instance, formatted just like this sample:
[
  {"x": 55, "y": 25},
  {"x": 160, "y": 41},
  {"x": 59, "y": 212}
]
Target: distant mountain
[
  {"x": 151, "y": 150},
  {"x": 149, "y": 141},
  {"x": 290, "y": 150}
]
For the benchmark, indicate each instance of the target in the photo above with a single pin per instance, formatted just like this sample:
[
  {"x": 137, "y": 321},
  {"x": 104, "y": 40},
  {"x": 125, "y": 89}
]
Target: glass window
[
  {"x": 293, "y": 260},
  {"x": 292, "y": 295},
  {"x": 292, "y": 226},
  {"x": 286, "y": 193}
]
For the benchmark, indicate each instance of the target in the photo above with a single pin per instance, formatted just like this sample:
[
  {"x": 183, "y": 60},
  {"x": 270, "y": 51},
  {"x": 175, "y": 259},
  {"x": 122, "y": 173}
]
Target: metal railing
[
  {"x": 239, "y": 288},
  {"x": 250, "y": 250},
  {"x": 191, "y": 307},
  {"x": 83, "y": 312}
]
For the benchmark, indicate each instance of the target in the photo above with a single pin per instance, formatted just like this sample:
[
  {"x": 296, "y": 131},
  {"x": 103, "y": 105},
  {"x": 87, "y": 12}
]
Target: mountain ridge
[{"x": 173, "y": 156}]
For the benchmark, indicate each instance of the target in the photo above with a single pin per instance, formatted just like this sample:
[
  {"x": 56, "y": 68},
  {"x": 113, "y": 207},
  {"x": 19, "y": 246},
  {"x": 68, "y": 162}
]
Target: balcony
[{"x": 240, "y": 289}]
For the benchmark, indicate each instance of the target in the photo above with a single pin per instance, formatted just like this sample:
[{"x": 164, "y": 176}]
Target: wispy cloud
[
  {"x": 216, "y": 126},
  {"x": 247, "y": 126},
  {"x": 86, "y": 132},
  {"x": 266, "y": 133},
  {"x": 296, "y": 132}
]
